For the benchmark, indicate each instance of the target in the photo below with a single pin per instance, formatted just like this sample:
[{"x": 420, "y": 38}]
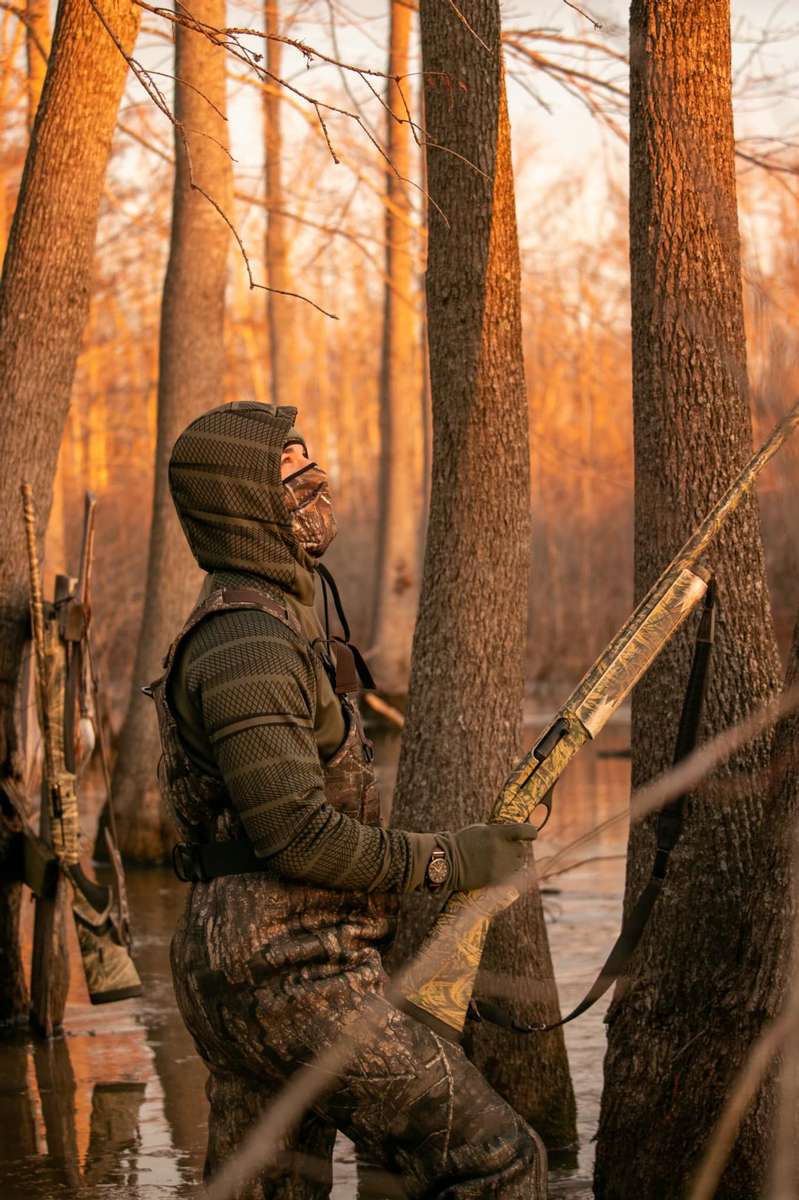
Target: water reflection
[{"x": 117, "y": 1107}]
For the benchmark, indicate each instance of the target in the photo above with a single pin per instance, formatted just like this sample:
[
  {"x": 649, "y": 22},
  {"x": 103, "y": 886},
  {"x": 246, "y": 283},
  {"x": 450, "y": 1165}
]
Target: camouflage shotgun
[
  {"x": 59, "y": 631},
  {"x": 438, "y": 986}
]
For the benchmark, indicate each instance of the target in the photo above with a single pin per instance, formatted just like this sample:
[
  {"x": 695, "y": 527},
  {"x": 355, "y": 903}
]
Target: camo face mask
[{"x": 308, "y": 500}]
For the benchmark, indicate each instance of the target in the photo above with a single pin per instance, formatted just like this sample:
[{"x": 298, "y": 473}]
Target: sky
[
  {"x": 552, "y": 131},
  {"x": 554, "y": 135}
]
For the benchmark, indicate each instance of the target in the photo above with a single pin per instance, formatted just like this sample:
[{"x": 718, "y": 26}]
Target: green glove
[{"x": 480, "y": 855}]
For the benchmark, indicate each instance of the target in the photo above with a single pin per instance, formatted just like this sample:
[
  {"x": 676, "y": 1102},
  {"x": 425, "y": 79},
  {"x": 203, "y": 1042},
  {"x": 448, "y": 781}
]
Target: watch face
[{"x": 438, "y": 870}]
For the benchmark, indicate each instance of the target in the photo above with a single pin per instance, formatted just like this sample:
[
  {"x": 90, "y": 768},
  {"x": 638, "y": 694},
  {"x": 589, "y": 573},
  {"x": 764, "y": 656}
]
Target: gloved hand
[{"x": 480, "y": 855}]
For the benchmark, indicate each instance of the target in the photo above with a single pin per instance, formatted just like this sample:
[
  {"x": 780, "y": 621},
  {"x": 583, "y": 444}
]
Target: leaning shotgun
[
  {"x": 438, "y": 987},
  {"x": 100, "y": 915}
]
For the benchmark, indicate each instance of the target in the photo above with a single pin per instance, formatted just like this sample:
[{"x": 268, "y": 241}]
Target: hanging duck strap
[
  {"x": 667, "y": 833},
  {"x": 351, "y": 671}
]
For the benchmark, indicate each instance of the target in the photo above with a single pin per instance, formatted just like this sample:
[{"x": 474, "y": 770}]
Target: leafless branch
[
  {"x": 152, "y": 89},
  {"x": 342, "y": 73},
  {"x": 582, "y": 13},
  {"x": 228, "y": 37},
  {"x": 253, "y": 285},
  {"x": 581, "y": 862},
  {"x": 464, "y": 22},
  {"x": 197, "y": 91}
]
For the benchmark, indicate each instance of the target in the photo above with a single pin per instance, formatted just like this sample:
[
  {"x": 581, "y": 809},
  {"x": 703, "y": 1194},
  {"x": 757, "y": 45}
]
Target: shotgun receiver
[{"x": 438, "y": 985}]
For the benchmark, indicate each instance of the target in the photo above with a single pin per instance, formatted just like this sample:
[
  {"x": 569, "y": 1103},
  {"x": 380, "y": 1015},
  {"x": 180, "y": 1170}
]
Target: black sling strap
[
  {"x": 351, "y": 671},
  {"x": 667, "y": 833}
]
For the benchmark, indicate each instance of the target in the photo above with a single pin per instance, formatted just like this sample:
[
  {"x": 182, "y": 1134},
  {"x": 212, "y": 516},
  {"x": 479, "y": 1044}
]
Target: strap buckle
[{"x": 187, "y": 863}]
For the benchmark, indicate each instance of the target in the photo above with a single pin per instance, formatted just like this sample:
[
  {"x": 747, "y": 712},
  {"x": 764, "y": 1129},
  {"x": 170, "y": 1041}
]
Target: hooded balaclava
[{"x": 224, "y": 476}]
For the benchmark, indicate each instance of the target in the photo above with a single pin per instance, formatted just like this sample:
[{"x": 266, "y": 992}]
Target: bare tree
[
  {"x": 699, "y": 992},
  {"x": 37, "y": 49},
  {"x": 191, "y": 380},
  {"x": 280, "y": 309},
  {"x": 399, "y": 550},
  {"x": 44, "y": 298},
  {"x": 464, "y": 711}
]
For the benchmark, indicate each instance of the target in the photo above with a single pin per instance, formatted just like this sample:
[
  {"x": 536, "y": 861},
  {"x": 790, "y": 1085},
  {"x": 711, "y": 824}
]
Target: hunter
[{"x": 295, "y": 880}]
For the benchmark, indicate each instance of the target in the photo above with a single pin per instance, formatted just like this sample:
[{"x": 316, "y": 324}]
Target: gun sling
[{"x": 668, "y": 829}]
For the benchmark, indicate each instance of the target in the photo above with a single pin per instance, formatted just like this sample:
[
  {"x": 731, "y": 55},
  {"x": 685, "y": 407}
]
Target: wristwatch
[{"x": 438, "y": 870}]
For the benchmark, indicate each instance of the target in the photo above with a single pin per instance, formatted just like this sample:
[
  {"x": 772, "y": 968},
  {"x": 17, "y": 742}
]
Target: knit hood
[{"x": 224, "y": 476}]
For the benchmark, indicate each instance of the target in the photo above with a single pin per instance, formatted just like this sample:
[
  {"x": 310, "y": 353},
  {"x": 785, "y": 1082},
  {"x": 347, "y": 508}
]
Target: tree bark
[
  {"x": 401, "y": 413},
  {"x": 280, "y": 310},
  {"x": 698, "y": 992},
  {"x": 464, "y": 711},
  {"x": 191, "y": 378},
  {"x": 44, "y": 300}
]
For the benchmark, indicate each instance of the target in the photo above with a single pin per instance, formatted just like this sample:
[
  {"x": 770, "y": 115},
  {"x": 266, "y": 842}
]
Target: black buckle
[{"x": 187, "y": 863}]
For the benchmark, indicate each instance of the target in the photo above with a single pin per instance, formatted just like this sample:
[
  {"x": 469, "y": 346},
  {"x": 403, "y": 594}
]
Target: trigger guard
[{"x": 545, "y": 802}]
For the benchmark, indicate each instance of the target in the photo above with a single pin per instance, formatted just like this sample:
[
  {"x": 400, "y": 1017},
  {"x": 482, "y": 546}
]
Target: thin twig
[
  {"x": 582, "y": 13},
  {"x": 464, "y": 22}
]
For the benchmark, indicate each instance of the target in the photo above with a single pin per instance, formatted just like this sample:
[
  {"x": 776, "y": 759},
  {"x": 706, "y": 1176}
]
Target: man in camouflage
[{"x": 295, "y": 880}]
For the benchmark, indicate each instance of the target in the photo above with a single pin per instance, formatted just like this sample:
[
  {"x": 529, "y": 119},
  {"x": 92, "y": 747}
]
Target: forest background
[
  {"x": 327, "y": 200},
  {"x": 567, "y": 95}
]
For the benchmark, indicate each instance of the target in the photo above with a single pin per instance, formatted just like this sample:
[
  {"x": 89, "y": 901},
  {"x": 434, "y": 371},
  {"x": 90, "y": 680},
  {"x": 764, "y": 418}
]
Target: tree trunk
[
  {"x": 44, "y": 299},
  {"x": 280, "y": 310},
  {"x": 401, "y": 412},
  {"x": 190, "y": 381},
  {"x": 697, "y": 995},
  {"x": 463, "y": 722}
]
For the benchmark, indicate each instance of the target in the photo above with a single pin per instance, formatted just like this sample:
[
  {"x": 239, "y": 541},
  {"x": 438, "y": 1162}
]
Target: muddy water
[{"x": 116, "y": 1107}]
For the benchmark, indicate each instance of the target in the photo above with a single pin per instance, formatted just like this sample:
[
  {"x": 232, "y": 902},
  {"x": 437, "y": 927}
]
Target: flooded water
[{"x": 117, "y": 1106}]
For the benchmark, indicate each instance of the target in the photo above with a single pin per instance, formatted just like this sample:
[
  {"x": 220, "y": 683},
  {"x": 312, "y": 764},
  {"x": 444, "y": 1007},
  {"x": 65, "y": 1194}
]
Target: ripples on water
[{"x": 117, "y": 1106}]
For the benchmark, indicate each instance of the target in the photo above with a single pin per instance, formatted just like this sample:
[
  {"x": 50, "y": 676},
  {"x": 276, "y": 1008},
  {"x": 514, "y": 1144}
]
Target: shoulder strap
[
  {"x": 229, "y": 600},
  {"x": 233, "y": 598},
  {"x": 350, "y": 669}
]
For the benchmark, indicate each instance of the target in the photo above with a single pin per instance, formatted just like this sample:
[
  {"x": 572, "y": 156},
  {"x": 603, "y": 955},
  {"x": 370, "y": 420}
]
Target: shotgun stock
[{"x": 438, "y": 985}]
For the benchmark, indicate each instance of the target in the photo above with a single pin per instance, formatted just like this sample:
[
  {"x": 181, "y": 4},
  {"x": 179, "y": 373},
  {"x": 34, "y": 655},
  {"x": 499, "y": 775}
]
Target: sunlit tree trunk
[
  {"x": 44, "y": 297},
  {"x": 401, "y": 411},
  {"x": 280, "y": 310},
  {"x": 463, "y": 728},
  {"x": 191, "y": 380},
  {"x": 37, "y": 49},
  {"x": 698, "y": 993}
]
